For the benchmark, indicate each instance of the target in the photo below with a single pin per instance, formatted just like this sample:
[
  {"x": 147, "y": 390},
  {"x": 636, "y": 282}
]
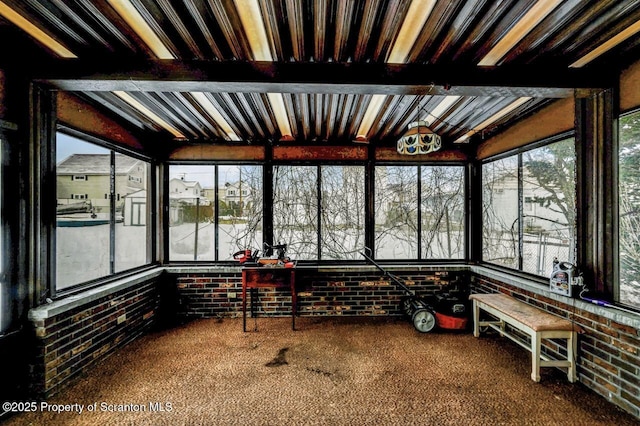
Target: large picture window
[
  {"x": 529, "y": 208},
  {"x": 419, "y": 209},
  {"x": 214, "y": 211},
  {"x": 318, "y": 211},
  {"x": 629, "y": 210},
  {"x": 102, "y": 220}
]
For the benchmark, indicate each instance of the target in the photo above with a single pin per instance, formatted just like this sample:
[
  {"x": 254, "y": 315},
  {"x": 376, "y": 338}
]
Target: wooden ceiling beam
[{"x": 385, "y": 79}]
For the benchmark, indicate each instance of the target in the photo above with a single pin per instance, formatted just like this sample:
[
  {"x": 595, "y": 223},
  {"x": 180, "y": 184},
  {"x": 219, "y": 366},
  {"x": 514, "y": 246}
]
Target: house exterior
[
  {"x": 237, "y": 195},
  {"x": 186, "y": 191},
  {"x": 86, "y": 177},
  {"x": 183, "y": 196}
]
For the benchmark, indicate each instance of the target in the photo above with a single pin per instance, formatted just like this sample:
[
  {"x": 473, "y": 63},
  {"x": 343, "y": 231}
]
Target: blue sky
[{"x": 67, "y": 145}]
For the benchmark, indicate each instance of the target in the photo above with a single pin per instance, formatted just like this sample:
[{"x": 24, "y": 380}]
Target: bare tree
[
  {"x": 629, "y": 209},
  {"x": 295, "y": 209},
  {"x": 443, "y": 212},
  {"x": 396, "y": 211},
  {"x": 500, "y": 212}
]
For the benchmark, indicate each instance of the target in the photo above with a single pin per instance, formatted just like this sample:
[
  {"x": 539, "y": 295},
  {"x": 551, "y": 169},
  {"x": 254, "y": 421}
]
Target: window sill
[
  {"x": 73, "y": 301},
  {"x": 67, "y": 303}
]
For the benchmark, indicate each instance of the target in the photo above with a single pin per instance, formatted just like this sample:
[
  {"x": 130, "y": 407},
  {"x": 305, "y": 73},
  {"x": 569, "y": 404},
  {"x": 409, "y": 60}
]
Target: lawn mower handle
[{"x": 393, "y": 277}]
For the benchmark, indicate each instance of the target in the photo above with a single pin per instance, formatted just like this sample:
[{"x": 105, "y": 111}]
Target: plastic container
[{"x": 451, "y": 323}]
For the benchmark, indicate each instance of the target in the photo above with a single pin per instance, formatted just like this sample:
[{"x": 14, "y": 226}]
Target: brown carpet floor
[{"x": 366, "y": 371}]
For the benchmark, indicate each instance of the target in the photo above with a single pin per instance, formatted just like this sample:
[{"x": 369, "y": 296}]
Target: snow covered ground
[{"x": 82, "y": 253}]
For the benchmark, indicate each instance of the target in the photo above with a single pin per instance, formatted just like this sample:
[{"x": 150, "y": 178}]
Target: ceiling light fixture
[
  {"x": 419, "y": 139},
  {"x": 495, "y": 117},
  {"x": 528, "y": 22},
  {"x": 130, "y": 14},
  {"x": 607, "y": 45},
  {"x": 149, "y": 114},
  {"x": 213, "y": 112},
  {"x": 35, "y": 32}
]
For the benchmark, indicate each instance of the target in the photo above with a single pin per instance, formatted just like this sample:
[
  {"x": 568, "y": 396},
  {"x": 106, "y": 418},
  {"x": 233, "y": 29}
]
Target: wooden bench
[{"x": 538, "y": 324}]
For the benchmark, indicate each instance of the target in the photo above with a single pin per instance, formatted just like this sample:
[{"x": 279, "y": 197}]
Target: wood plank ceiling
[{"x": 374, "y": 35}]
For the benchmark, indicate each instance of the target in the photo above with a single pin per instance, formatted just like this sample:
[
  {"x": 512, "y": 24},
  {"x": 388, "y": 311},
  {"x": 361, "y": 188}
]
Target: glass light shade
[{"x": 419, "y": 139}]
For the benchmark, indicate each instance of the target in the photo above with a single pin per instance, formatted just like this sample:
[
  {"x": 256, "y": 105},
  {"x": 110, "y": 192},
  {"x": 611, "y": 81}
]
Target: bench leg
[
  {"x": 476, "y": 319},
  {"x": 572, "y": 350},
  {"x": 535, "y": 357}
]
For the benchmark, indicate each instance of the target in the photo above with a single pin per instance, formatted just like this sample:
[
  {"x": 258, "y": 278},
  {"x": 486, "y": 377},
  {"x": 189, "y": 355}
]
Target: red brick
[{"x": 625, "y": 329}]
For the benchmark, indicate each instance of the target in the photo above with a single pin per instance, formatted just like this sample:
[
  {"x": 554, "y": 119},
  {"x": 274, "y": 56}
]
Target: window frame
[
  {"x": 152, "y": 258},
  {"x": 216, "y": 213},
  {"x": 542, "y": 279},
  {"x": 268, "y": 165},
  {"x": 420, "y": 166},
  {"x": 616, "y": 296}
]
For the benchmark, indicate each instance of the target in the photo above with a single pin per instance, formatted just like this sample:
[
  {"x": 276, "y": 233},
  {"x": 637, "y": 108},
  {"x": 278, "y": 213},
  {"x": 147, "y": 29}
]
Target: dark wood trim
[
  {"x": 303, "y": 77},
  {"x": 597, "y": 198},
  {"x": 370, "y": 201},
  {"x": 474, "y": 211},
  {"x": 267, "y": 196},
  {"x": 42, "y": 197}
]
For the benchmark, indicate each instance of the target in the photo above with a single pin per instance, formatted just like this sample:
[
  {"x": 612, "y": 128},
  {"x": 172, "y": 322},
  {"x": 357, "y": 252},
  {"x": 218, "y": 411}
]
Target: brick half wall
[
  {"x": 321, "y": 291},
  {"x": 69, "y": 342}
]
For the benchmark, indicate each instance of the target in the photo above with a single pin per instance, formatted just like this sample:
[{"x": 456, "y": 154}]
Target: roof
[
  {"x": 326, "y": 72},
  {"x": 95, "y": 164},
  {"x": 186, "y": 183}
]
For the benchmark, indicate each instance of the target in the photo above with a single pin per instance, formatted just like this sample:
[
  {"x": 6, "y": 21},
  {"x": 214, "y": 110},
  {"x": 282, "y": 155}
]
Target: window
[
  {"x": 200, "y": 229},
  {"x": 79, "y": 177},
  {"x": 242, "y": 227},
  {"x": 549, "y": 231},
  {"x": 131, "y": 213},
  {"x": 396, "y": 212},
  {"x": 319, "y": 211},
  {"x": 191, "y": 236},
  {"x": 628, "y": 291},
  {"x": 443, "y": 212},
  {"x": 295, "y": 210},
  {"x": 500, "y": 212},
  {"x": 98, "y": 235},
  {"x": 529, "y": 208},
  {"x": 342, "y": 212},
  {"x": 419, "y": 212}
]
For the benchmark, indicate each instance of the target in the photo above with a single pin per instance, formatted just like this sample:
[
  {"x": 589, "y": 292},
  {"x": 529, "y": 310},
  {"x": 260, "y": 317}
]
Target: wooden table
[{"x": 268, "y": 277}]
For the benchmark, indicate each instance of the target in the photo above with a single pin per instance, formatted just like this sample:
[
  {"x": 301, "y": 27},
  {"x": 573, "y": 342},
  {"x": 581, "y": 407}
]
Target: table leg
[
  {"x": 476, "y": 319},
  {"x": 535, "y": 357},
  {"x": 572, "y": 350},
  {"x": 244, "y": 308}
]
